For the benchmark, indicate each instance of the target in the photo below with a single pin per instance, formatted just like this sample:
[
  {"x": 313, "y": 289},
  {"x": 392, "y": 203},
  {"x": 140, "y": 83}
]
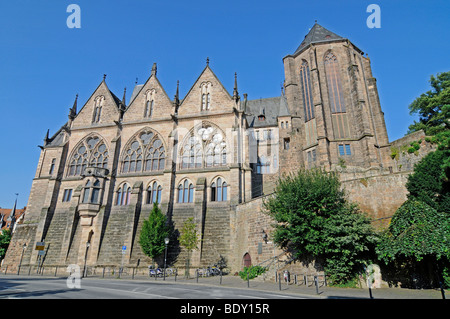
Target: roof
[
  {"x": 264, "y": 112},
  {"x": 5, "y": 214},
  {"x": 318, "y": 34}
]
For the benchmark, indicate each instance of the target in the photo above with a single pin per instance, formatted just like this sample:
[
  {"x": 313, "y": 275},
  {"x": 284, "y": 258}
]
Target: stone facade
[{"x": 210, "y": 156}]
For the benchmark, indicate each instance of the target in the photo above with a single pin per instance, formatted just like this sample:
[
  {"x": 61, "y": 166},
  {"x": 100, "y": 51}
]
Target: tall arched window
[
  {"x": 149, "y": 102},
  {"x": 145, "y": 153},
  {"x": 98, "y": 104},
  {"x": 336, "y": 96},
  {"x": 154, "y": 192},
  {"x": 149, "y": 108},
  {"x": 219, "y": 190},
  {"x": 205, "y": 146},
  {"x": 205, "y": 89},
  {"x": 305, "y": 80},
  {"x": 185, "y": 192},
  {"x": 308, "y": 105},
  {"x": 123, "y": 195},
  {"x": 90, "y": 152}
]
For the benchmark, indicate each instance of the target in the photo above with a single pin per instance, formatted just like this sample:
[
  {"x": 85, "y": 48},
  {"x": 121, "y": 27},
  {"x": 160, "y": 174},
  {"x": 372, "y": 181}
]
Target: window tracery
[
  {"x": 91, "y": 152},
  {"x": 146, "y": 152},
  {"x": 204, "y": 147}
]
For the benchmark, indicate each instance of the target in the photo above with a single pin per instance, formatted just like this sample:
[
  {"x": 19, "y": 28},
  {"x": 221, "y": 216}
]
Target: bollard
[
  {"x": 220, "y": 276},
  {"x": 197, "y": 274},
  {"x": 176, "y": 274},
  {"x": 316, "y": 280},
  {"x": 279, "y": 281},
  {"x": 295, "y": 279},
  {"x": 248, "y": 280}
]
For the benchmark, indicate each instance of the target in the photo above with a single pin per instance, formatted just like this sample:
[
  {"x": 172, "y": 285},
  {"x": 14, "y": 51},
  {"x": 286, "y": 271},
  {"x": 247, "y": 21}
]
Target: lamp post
[
  {"x": 166, "y": 241},
  {"x": 21, "y": 257}
]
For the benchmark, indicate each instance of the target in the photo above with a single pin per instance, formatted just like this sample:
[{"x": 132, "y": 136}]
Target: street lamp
[
  {"x": 20, "y": 263},
  {"x": 166, "y": 241}
]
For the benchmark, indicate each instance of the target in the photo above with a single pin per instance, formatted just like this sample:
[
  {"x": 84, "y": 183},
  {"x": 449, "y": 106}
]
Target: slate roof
[
  {"x": 318, "y": 34},
  {"x": 270, "y": 108}
]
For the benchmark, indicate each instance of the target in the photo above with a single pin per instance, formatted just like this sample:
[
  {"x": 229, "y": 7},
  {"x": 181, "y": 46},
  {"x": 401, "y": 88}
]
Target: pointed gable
[
  {"x": 207, "y": 95},
  {"x": 101, "y": 108},
  {"x": 148, "y": 102}
]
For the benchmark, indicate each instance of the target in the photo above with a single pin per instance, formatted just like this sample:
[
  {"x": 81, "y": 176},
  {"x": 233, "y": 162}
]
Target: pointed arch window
[
  {"x": 205, "y": 89},
  {"x": 341, "y": 127},
  {"x": 146, "y": 152},
  {"x": 98, "y": 104},
  {"x": 123, "y": 195},
  {"x": 90, "y": 152},
  {"x": 204, "y": 147},
  {"x": 306, "y": 91},
  {"x": 149, "y": 103},
  {"x": 219, "y": 190},
  {"x": 185, "y": 192},
  {"x": 154, "y": 192}
]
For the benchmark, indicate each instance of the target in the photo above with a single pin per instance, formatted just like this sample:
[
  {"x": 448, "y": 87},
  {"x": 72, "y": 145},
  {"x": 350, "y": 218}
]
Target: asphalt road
[{"x": 90, "y": 288}]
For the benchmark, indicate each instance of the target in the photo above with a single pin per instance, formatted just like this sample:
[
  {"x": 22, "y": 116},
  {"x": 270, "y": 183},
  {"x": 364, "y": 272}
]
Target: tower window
[
  {"x": 67, "y": 195},
  {"x": 344, "y": 149},
  {"x": 286, "y": 143},
  {"x": 52, "y": 166}
]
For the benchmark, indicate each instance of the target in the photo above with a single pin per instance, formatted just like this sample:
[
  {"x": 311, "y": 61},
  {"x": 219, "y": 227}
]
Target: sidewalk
[{"x": 324, "y": 292}]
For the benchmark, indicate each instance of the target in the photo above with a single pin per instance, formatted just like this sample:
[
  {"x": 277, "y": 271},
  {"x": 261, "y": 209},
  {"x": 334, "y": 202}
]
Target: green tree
[
  {"x": 5, "y": 239},
  {"x": 433, "y": 107},
  {"x": 430, "y": 182},
  {"x": 154, "y": 231},
  {"x": 417, "y": 232},
  {"x": 314, "y": 218},
  {"x": 189, "y": 239}
]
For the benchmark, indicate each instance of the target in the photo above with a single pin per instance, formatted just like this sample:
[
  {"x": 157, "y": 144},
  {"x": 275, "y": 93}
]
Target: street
[{"x": 13, "y": 287}]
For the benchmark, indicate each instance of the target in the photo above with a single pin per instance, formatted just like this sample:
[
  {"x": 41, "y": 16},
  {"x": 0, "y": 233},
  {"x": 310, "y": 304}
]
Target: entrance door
[{"x": 247, "y": 260}]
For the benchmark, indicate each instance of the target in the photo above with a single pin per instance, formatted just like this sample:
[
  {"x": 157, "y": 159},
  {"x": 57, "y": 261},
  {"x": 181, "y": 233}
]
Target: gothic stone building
[{"x": 209, "y": 155}]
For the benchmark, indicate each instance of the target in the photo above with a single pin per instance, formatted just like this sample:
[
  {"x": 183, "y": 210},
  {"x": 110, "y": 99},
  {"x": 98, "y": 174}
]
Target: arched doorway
[{"x": 247, "y": 260}]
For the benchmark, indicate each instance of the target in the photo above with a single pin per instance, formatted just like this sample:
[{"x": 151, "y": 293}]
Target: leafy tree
[
  {"x": 430, "y": 182},
  {"x": 433, "y": 107},
  {"x": 314, "y": 219},
  {"x": 350, "y": 244},
  {"x": 154, "y": 231},
  {"x": 189, "y": 239},
  {"x": 417, "y": 231},
  {"x": 5, "y": 239}
]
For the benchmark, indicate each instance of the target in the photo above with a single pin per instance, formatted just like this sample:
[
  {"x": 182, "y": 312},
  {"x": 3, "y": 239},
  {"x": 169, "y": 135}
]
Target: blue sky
[{"x": 44, "y": 64}]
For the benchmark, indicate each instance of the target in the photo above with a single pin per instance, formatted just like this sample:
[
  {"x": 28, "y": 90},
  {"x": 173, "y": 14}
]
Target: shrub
[{"x": 252, "y": 271}]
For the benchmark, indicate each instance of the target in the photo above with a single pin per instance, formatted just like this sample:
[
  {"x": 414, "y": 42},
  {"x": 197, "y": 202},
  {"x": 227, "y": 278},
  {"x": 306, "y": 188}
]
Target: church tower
[{"x": 334, "y": 105}]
